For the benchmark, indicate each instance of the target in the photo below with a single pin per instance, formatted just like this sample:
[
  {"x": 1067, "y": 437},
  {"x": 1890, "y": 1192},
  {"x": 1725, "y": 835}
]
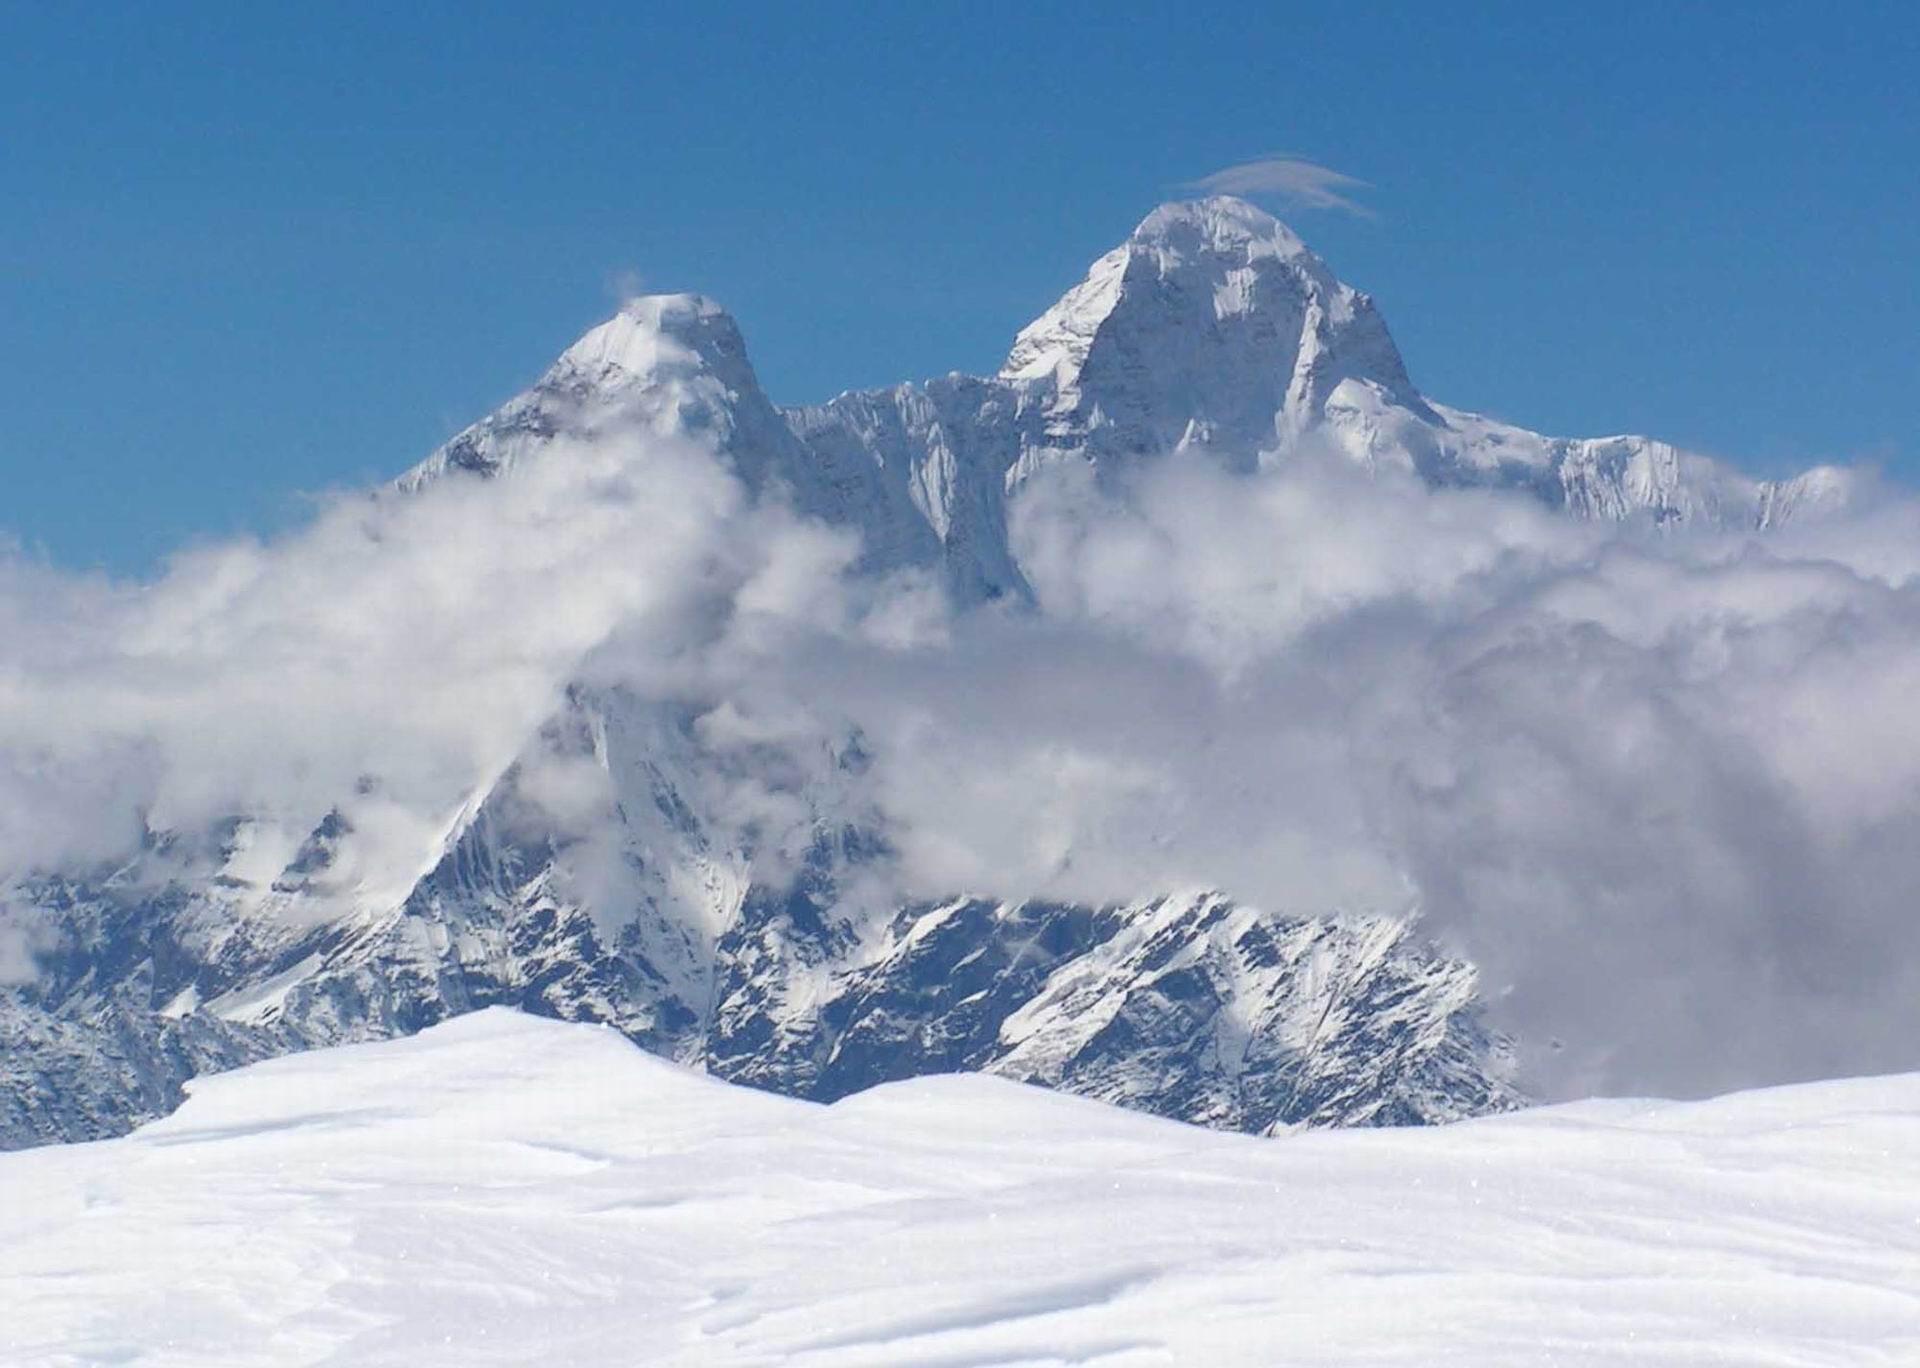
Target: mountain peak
[
  {"x": 1213, "y": 321},
  {"x": 671, "y": 364},
  {"x": 652, "y": 336},
  {"x": 1220, "y": 225},
  {"x": 1203, "y": 243}
]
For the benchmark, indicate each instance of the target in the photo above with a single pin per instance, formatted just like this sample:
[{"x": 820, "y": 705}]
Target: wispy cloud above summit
[{"x": 1299, "y": 182}]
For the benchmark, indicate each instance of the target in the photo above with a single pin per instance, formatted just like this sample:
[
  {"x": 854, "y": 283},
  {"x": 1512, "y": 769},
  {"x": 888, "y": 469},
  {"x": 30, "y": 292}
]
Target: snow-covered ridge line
[
  {"x": 1212, "y": 326},
  {"x": 502, "y": 1189}
]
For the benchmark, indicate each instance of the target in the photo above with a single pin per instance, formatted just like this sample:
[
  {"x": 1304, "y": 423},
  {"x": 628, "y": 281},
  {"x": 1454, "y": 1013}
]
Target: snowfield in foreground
[{"x": 502, "y": 1189}]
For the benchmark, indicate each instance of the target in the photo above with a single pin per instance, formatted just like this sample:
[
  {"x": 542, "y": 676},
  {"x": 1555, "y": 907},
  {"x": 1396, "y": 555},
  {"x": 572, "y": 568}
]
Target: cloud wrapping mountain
[{"x": 1102, "y": 628}]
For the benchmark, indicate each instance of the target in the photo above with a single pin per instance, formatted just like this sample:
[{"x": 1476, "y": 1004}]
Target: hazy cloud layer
[
  {"x": 1664, "y": 789},
  {"x": 391, "y": 659}
]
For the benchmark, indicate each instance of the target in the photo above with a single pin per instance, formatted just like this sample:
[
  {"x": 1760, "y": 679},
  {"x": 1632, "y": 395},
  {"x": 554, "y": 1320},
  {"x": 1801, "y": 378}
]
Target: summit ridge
[{"x": 1213, "y": 326}]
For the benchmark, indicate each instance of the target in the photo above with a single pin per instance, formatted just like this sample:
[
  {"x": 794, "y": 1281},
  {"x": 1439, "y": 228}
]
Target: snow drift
[{"x": 506, "y": 1190}]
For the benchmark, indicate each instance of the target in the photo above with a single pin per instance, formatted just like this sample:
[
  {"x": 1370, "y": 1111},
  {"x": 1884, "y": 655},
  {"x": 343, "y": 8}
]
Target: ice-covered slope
[
  {"x": 675, "y": 367},
  {"x": 506, "y": 1190},
  {"x": 1212, "y": 326},
  {"x": 1188, "y": 1006}
]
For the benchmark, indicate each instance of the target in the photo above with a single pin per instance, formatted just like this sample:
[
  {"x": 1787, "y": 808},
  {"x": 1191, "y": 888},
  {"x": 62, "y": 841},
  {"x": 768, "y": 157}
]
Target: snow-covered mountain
[
  {"x": 1189, "y": 1006},
  {"x": 1211, "y": 327},
  {"x": 501, "y": 1190}
]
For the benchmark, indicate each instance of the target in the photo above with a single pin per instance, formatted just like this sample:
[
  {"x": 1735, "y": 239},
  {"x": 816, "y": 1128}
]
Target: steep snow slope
[
  {"x": 1188, "y": 1006},
  {"x": 1212, "y": 326},
  {"x": 675, "y": 366},
  {"x": 507, "y": 1190},
  {"x": 1192, "y": 1007}
]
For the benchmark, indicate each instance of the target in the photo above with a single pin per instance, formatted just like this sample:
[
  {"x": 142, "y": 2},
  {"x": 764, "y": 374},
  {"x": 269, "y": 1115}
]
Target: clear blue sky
[{"x": 249, "y": 251}]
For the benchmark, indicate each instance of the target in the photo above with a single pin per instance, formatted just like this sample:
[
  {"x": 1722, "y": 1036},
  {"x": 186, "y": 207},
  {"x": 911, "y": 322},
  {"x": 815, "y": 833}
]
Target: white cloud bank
[{"x": 1664, "y": 789}]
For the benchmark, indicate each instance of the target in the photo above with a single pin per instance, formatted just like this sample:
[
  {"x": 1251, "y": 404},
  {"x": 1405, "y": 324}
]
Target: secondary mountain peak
[
  {"x": 653, "y": 335},
  {"x": 1210, "y": 326},
  {"x": 669, "y": 365}
]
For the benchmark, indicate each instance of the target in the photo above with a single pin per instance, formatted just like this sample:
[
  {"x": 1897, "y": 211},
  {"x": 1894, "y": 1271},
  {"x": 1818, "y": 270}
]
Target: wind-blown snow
[{"x": 504, "y": 1190}]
